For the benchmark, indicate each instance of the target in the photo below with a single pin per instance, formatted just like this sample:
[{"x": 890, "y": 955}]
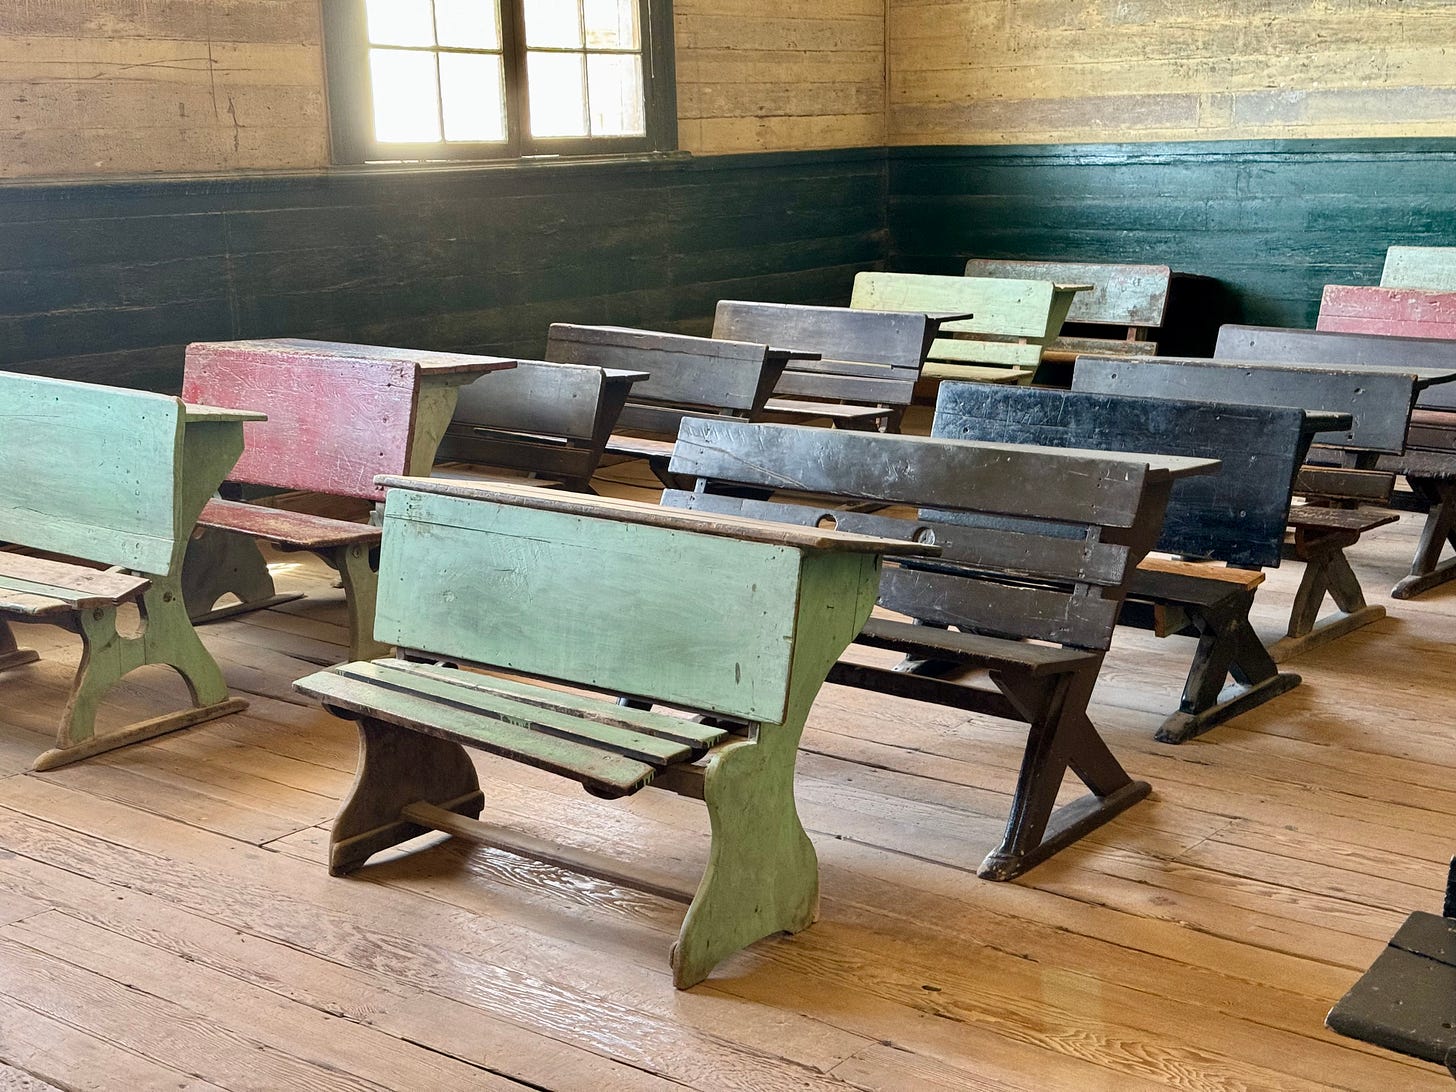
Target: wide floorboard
[{"x": 166, "y": 920}]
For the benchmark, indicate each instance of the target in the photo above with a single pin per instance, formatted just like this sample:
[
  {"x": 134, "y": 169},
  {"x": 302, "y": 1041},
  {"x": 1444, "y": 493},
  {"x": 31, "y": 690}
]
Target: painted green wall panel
[
  {"x": 109, "y": 280},
  {"x": 1274, "y": 221}
]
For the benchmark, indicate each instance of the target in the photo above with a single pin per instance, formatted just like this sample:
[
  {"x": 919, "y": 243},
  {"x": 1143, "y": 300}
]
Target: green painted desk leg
[
  {"x": 166, "y": 637},
  {"x": 434, "y": 407},
  {"x": 358, "y": 568},
  {"x": 763, "y": 874}
]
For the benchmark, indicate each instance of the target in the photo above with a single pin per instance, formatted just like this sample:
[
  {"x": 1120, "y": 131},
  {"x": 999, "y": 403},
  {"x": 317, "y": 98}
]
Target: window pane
[
  {"x": 472, "y": 24},
  {"x": 557, "y": 94},
  {"x": 400, "y": 22},
  {"x": 610, "y": 24},
  {"x": 614, "y": 87},
  {"x": 406, "y": 103},
  {"x": 553, "y": 23},
  {"x": 473, "y": 96}
]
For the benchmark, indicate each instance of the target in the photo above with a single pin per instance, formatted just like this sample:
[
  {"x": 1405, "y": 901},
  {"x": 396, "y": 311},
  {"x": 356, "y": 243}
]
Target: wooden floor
[{"x": 166, "y": 920}]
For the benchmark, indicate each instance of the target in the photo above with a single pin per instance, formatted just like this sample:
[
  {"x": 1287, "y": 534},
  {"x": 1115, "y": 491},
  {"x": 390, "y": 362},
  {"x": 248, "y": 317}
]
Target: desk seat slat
[
  {"x": 1003, "y": 610},
  {"x": 688, "y": 734},
  {"x": 987, "y": 651},
  {"x": 298, "y": 529},
  {"x": 605, "y": 771},
  {"x": 653, "y": 750},
  {"x": 77, "y": 585},
  {"x": 1341, "y": 519}
]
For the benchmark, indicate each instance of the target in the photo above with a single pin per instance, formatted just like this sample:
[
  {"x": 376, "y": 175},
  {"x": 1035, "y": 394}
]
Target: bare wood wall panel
[
  {"x": 143, "y": 86},
  {"x": 764, "y": 75},
  {"x": 1049, "y": 71},
  {"x": 121, "y": 87}
]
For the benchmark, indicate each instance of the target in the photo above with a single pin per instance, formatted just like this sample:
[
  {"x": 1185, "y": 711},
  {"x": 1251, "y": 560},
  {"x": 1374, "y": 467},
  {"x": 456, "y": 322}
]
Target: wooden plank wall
[
  {"x": 109, "y": 280},
  {"x": 1275, "y": 221},
  {"x": 115, "y": 87},
  {"x": 107, "y": 87},
  {"x": 760, "y": 75},
  {"x": 1050, "y": 71}
]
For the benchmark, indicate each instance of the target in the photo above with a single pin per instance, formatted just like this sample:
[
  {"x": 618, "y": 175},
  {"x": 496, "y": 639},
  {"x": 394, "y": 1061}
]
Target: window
[{"x": 494, "y": 79}]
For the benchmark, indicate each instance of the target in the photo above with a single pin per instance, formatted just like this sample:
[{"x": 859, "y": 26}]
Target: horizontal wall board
[
  {"x": 1274, "y": 221},
  {"x": 106, "y": 280}
]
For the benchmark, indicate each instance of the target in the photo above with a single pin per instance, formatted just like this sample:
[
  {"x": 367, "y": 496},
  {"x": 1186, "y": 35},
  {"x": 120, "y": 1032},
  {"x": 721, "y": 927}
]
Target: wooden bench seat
[
  {"x": 1013, "y": 320},
  {"x": 543, "y": 418},
  {"x": 1235, "y": 517},
  {"x": 39, "y": 588},
  {"x": 113, "y": 479},
  {"x": 606, "y": 747},
  {"x": 1026, "y": 589},
  {"x": 681, "y": 376},
  {"x": 1355, "y": 520},
  {"x": 337, "y": 416},
  {"x": 1428, "y": 459},
  {"x": 1378, "y": 403},
  {"x": 864, "y": 367},
  {"x": 733, "y": 621},
  {"x": 294, "y": 530}
]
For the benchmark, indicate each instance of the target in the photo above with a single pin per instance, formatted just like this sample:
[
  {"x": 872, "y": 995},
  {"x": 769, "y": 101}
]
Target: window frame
[{"x": 350, "y": 102}]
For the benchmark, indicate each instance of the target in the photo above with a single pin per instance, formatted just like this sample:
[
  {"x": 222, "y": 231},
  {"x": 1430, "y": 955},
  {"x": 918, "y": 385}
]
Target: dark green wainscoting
[
  {"x": 1275, "y": 221},
  {"x": 108, "y": 281}
]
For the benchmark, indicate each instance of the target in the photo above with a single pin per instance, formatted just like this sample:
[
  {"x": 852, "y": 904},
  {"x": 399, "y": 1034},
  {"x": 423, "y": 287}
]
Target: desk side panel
[
  {"x": 89, "y": 471},
  {"x": 334, "y": 422},
  {"x": 692, "y": 620}
]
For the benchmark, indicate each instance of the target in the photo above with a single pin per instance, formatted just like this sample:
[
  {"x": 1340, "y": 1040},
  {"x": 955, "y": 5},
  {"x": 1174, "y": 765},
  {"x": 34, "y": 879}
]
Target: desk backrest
[
  {"x": 1289, "y": 346},
  {"x": 539, "y": 417},
  {"x": 1236, "y": 516},
  {"x": 1012, "y": 319},
  {"x": 1432, "y": 267},
  {"x": 616, "y": 595},
  {"x": 1121, "y": 295},
  {"x": 867, "y": 357},
  {"x": 1404, "y": 312},
  {"x": 91, "y": 472},
  {"x": 1379, "y": 403},
  {"x": 1036, "y": 543},
  {"x": 685, "y": 375},
  {"x": 337, "y": 414}
]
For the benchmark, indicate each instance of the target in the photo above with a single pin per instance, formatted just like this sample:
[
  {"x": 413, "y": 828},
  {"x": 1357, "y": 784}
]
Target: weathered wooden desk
[
  {"x": 338, "y": 415},
  {"x": 115, "y": 478},
  {"x": 1014, "y": 320},
  {"x": 1236, "y": 516},
  {"x": 736, "y": 621},
  {"x": 866, "y": 366},
  {"x": 1038, "y": 548},
  {"x": 1379, "y": 403},
  {"x": 1428, "y": 462},
  {"x": 542, "y": 418}
]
